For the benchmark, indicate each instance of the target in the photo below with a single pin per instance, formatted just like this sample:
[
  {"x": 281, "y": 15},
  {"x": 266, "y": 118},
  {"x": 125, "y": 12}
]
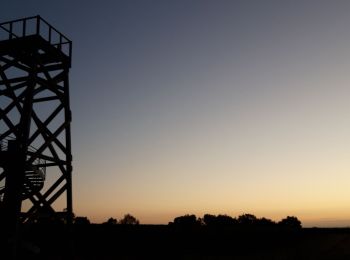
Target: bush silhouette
[
  {"x": 81, "y": 221},
  {"x": 129, "y": 220},
  {"x": 111, "y": 221}
]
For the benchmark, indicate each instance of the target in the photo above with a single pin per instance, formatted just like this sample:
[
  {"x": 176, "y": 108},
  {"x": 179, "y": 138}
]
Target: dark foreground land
[{"x": 102, "y": 242}]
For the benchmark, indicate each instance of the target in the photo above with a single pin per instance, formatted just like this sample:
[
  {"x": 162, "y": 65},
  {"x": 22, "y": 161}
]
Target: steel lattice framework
[{"x": 35, "y": 119}]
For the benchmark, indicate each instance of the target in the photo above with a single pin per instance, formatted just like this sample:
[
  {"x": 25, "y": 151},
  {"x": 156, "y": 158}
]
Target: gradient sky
[{"x": 207, "y": 107}]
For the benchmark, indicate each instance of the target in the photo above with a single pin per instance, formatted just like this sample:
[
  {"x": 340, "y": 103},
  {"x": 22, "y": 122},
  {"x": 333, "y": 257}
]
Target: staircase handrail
[{"x": 37, "y": 161}]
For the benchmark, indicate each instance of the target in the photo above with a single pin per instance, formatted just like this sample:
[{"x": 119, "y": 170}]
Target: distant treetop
[{"x": 129, "y": 220}]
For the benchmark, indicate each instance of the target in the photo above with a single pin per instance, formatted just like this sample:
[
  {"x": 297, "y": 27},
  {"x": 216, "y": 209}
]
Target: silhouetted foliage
[
  {"x": 226, "y": 220},
  {"x": 220, "y": 220},
  {"x": 247, "y": 219},
  {"x": 129, "y": 220},
  {"x": 209, "y": 220},
  {"x": 111, "y": 221},
  {"x": 81, "y": 221},
  {"x": 187, "y": 221},
  {"x": 265, "y": 222},
  {"x": 290, "y": 222}
]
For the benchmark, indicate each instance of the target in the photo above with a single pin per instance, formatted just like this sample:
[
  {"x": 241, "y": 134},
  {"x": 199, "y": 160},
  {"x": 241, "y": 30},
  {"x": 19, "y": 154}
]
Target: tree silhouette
[
  {"x": 290, "y": 222},
  {"x": 225, "y": 220},
  {"x": 129, "y": 220},
  {"x": 220, "y": 220},
  {"x": 209, "y": 220},
  {"x": 186, "y": 221},
  {"x": 265, "y": 222},
  {"x": 247, "y": 219}
]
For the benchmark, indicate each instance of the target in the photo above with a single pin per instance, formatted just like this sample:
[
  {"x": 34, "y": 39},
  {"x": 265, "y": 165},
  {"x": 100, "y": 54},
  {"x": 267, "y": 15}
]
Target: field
[{"x": 102, "y": 242}]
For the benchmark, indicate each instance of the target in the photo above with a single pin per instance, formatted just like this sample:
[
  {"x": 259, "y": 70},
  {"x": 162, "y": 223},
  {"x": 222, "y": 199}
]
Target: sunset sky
[{"x": 221, "y": 107}]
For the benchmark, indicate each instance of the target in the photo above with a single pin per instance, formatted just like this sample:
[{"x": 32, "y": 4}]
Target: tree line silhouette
[
  {"x": 244, "y": 220},
  {"x": 128, "y": 219},
  {"x": 216, "y": 221}
]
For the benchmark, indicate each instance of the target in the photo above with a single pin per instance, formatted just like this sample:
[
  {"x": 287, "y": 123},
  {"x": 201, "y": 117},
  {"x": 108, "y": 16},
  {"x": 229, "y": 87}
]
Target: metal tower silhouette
[{"x": 35, "y": 117}]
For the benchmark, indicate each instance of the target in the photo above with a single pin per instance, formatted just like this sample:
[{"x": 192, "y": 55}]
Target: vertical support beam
[
  {"x": 68, "y": 119},
  {"x": 12, "y": 198},
  {"x": 16, "y": 168}
]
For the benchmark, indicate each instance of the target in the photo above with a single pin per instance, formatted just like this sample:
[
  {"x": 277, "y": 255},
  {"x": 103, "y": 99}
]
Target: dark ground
[{"x": 102, "y": 242}]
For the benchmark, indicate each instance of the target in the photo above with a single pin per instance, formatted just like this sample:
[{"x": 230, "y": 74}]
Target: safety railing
[
  {"x": 35, "y": 25},
  {"x": 37, "y": 161},
  {"x": 3, "y": 145}
]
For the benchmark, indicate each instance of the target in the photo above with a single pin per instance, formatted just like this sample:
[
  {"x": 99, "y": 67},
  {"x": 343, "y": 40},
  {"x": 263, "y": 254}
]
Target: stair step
[{"x": 34, "y": 182}]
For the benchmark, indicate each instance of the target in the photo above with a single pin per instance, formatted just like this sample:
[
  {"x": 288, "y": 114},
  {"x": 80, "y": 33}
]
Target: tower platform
[{"x": 23, "y": 37}]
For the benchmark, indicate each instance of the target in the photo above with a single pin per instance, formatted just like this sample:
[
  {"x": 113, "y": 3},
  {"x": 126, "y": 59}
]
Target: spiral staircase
[{"x": 34, "y": 175}]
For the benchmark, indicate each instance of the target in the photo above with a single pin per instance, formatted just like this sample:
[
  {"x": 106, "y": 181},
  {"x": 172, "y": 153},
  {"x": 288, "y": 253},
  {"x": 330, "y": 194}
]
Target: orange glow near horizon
[{"x": 222, "y": 107}]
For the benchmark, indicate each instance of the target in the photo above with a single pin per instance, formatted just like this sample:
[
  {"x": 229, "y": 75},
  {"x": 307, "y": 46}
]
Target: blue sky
[{"x": 207, "y": 107}]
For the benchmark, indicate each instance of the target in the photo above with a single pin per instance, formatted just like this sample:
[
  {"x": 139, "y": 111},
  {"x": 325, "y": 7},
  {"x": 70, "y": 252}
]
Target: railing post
[
  {"x": 24, "y": 27},
  {"x": 38, "y": 25},
  {"x": 10, "y": 36},
  {"x": 60, "y": 45},
  {"x": 70, "y": 49},
  {"x": 50, "y": 29}
]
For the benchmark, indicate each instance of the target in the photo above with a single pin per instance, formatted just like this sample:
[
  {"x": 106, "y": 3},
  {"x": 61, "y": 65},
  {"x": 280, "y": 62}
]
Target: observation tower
[{"x": 35, "y": 119}]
